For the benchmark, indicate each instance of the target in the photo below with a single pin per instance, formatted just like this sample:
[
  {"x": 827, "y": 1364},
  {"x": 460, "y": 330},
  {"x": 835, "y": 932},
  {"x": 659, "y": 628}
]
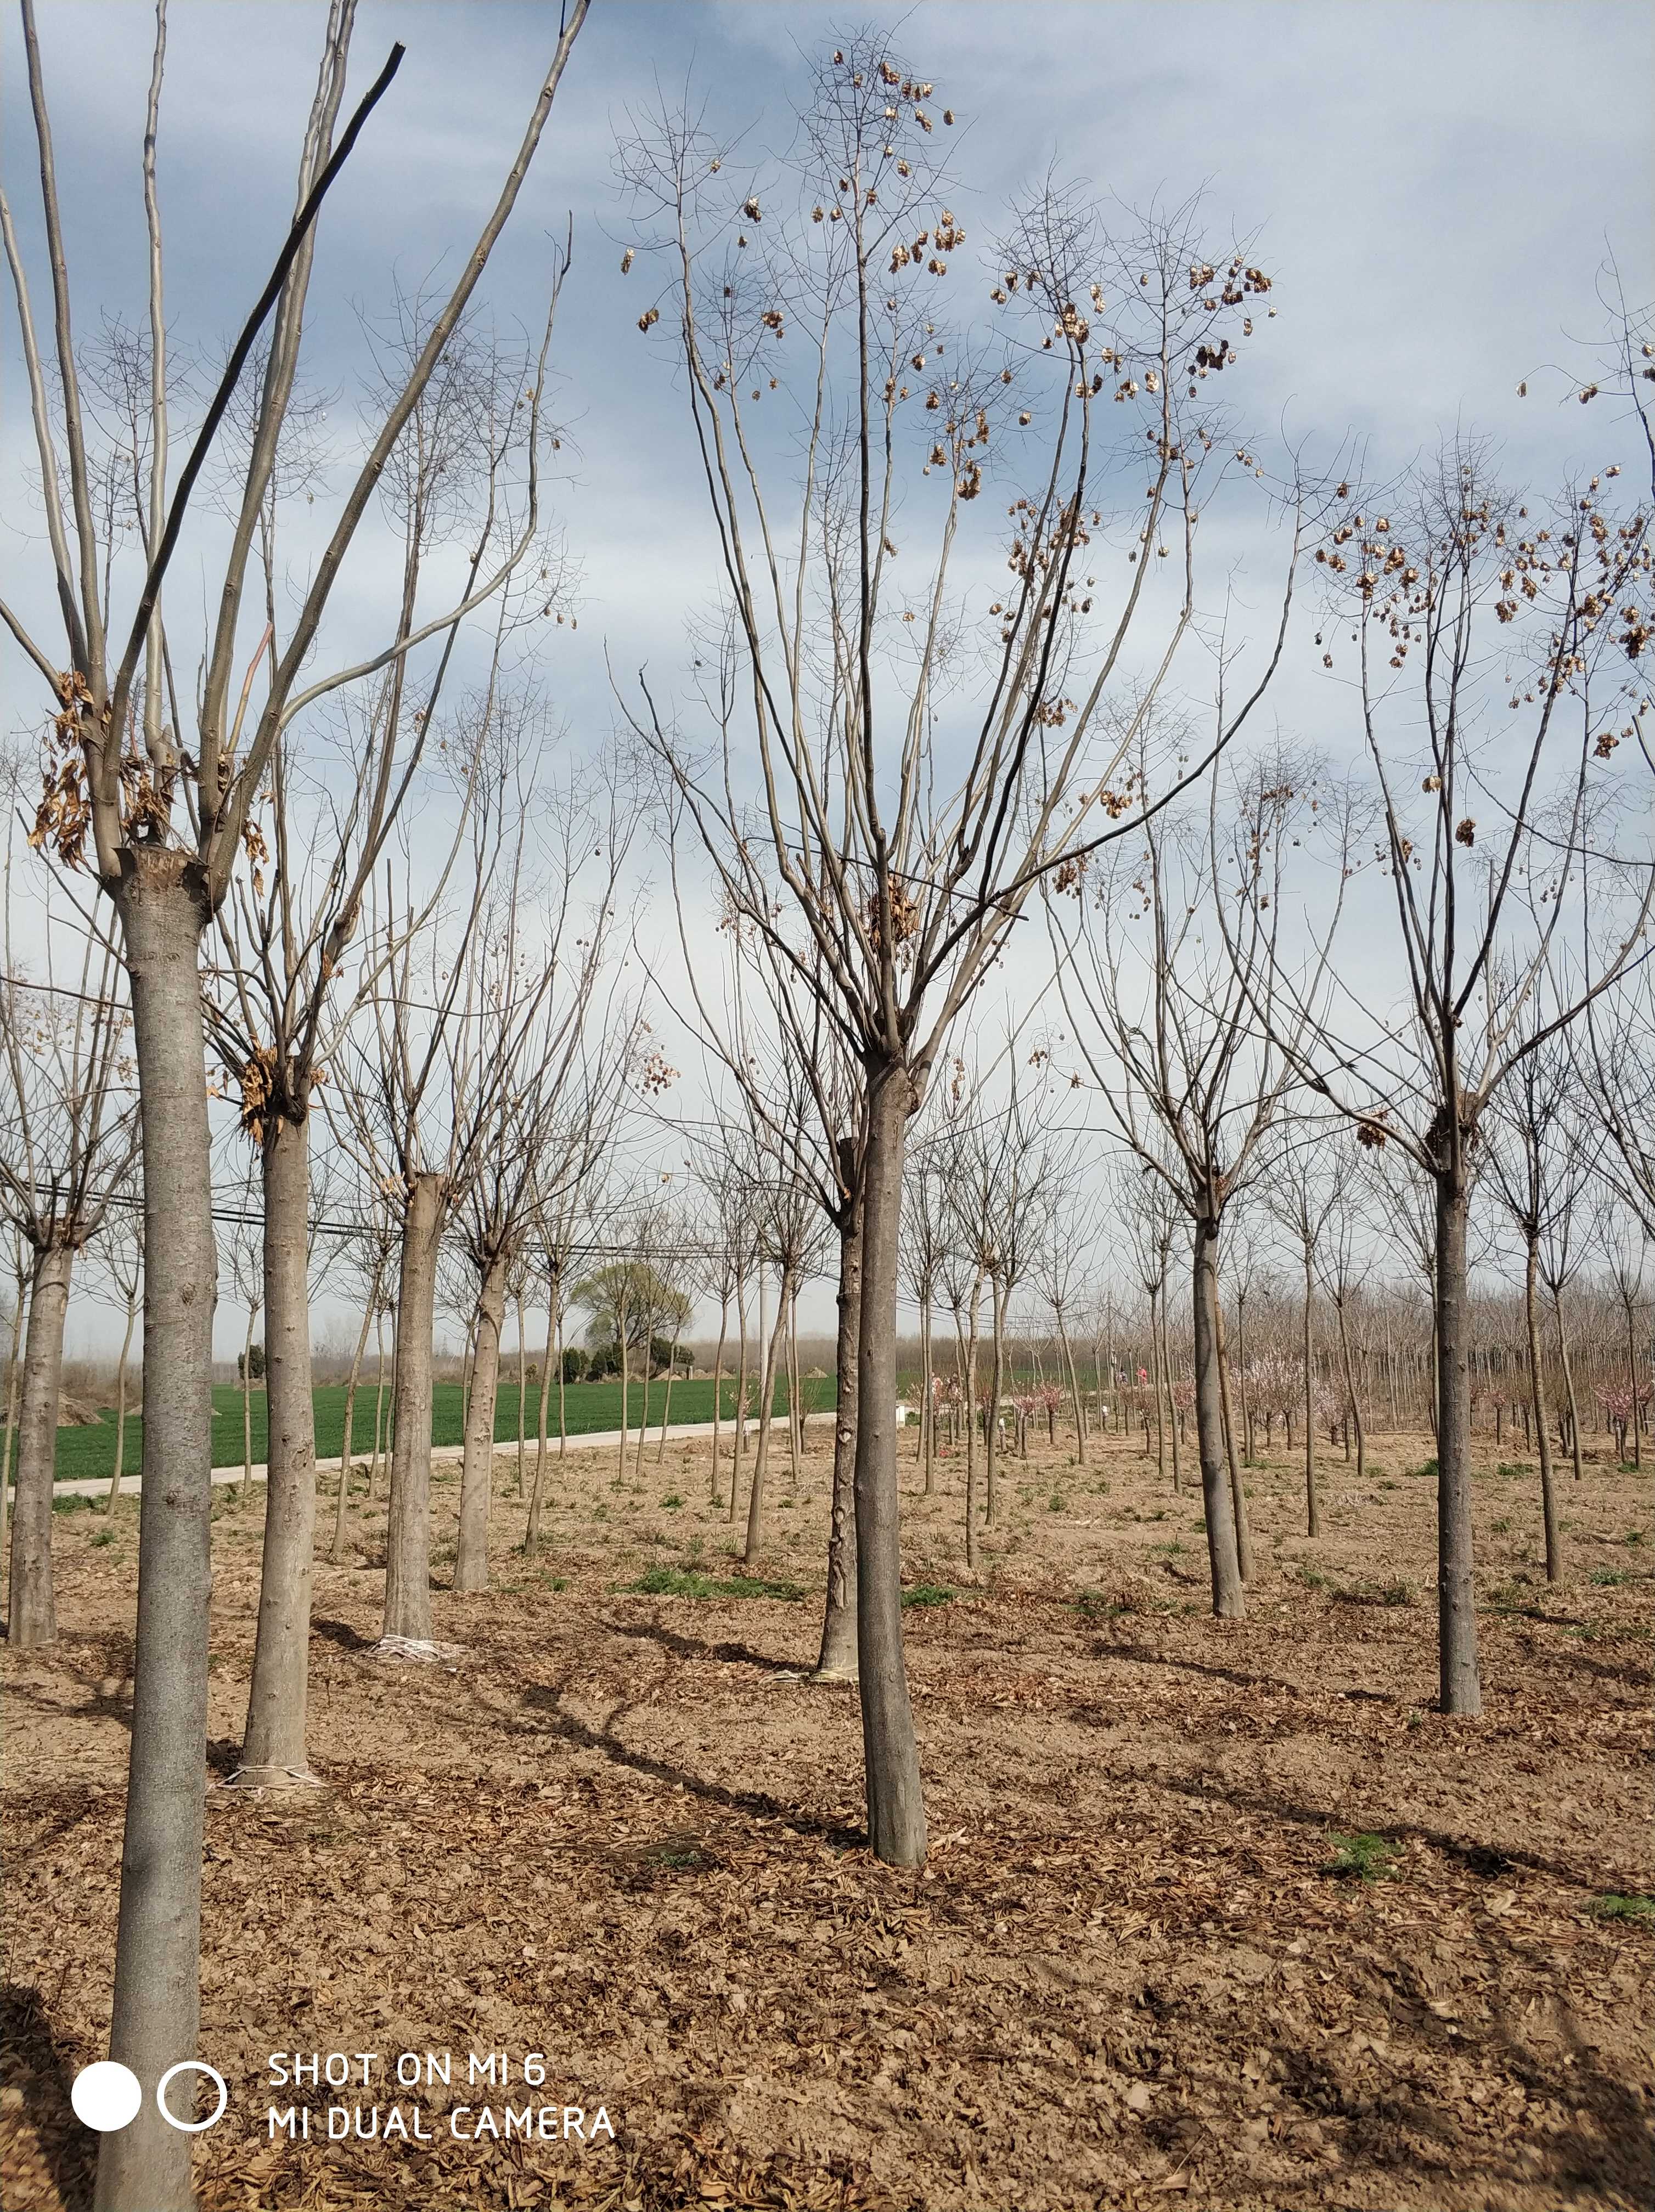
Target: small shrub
[
  {"x": 671, "y": 1501},
  {"x": 675, "y": 1582},
  {"x": 1428, "y": 1468},
  {"x": 1513, "y": 1468},
  {"x": 1609, "y": 1577},
  {"x": 927, "y": 1594},
  {"x": 104, "y": 1536},
  {"x": 73, "y": 1504},
  {"x": 1501, "y": 1528},
  {"x": 1310, "y": 1579},
  {"x": 1614, "y": 1907},
  {"x": 1056, "y": 1501},
  {"x": 1364, "y": 1857}
]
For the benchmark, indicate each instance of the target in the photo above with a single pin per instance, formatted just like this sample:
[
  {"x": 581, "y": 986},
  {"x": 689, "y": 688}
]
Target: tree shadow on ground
[{"x": 40, "y": 2068}]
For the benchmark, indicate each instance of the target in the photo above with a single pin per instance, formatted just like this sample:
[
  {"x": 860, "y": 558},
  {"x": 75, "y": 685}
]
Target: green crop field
[{"x": 86, "y": 1453}]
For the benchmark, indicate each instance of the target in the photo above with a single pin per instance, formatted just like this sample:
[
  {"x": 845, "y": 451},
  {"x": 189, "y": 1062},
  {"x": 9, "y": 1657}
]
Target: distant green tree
[
  {"x": 628, "y": 1301},
  {"x": 250, "y": 1363},
  {"x": 575, "y": 1363}
]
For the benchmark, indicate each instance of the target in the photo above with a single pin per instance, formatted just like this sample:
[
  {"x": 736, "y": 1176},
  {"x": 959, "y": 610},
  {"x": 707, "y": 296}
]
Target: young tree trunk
[
  {"x": 1354, "y": 1401},
  {"x": 713, "y": 1494},
  {"x": 522, "y": 1393},
  {"x": 13, "y": 1380},
  {"x": 1174, "y": 1418},
  {"x": 1158, "y": 1380},
  {"x": 620, "y": 1471},
  {"x": 155, "y": 2015},
  {"x": 1568, "y": 1383},
  {"x": 1635, "y": 1425},
  {"x": 1543, "y": 1423},
  {"x": 336, "y": 1553},
  {"x": 537, "y": 1493},
  {"x": 766, "y": 1401},
  {"x": 796, "y": 1394},
  {"x": 997, "y": 1298},
  {"x": 896, "y": 1807},
  {"x": 476, "y": 1468},
  {"x": 928, "y": 1399},
  {"x": 120, "y": 1408},
  {"x": 273, "y": 1744},
  {"x": 1461, "y": 1690},
  {"x": 1221, "y": 1552},
  {"x": 1312, "y": 1514},
  {"x": 971, "y": 1428},
  {"x": 738, "y": 1448},
  {"x": 31, "y": 1611},
  {"x": 247, "y": 1405},
  {"x": 382, "y": 1442},
  {"x": 1238, "y": 1490},
  {"x": 1074, "y": 1394},
  {"x": 408, "y": 1523},
  {"x": 667, "y": 1399},
  {"x": 837, "y": 1661}
]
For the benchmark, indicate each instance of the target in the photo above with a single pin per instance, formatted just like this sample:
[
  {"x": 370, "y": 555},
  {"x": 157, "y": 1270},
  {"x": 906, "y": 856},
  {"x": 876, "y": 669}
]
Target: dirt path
[{"x": 617, "y": 1831}]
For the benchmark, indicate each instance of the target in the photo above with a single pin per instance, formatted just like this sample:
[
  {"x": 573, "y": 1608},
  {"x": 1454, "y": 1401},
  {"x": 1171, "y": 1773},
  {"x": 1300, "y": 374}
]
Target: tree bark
[
  {"x": 1460, "y": 1687},
  {"x": 408, "y": 1522},
  {"x": 714, "y": 1494},
  {"x": 997, "y": 1298},
  {"x": 1074, "y": 1392},
  {"x": 1356, "y": 1415},
  {"x": 1222, "y": 1554},
  {"x": 896, "y": 1807},
  {"x": 928, "y": 1399},
  {"x": 971, "y": 1428},
  {"x": 1568, "y": 1381},
  {"x": 273, "y": 1745},
  {"x": 476, "y": 1468},
  {"x": 32, "y": 1610},
  {"x": 155, "y": 2015},
  {"x": 836, "y": 1659},
  {"x": 13, "y": 1380},
  {"x": 1543, "y": 1423},
  {"x": 737, "y": 1448}
]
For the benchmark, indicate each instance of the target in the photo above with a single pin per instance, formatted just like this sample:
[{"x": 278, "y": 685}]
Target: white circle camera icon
[{"x": 191, "y": 2066}]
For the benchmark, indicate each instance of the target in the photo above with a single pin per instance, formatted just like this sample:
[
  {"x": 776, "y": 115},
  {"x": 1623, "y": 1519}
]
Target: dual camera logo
[{"x": 107, "y": 2096}]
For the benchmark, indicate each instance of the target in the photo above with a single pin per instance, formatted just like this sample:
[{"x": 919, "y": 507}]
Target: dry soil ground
[{"x": 619, "y": 1831}]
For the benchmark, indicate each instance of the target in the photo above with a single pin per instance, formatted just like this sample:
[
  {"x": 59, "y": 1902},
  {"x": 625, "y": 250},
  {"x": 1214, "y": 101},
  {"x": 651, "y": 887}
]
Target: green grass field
[{"x": 86, "y": 1453}]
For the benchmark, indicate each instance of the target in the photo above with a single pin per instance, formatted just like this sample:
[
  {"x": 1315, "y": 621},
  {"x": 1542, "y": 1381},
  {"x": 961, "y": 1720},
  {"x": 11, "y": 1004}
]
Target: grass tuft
[{"x": 1362, "y": 1857}]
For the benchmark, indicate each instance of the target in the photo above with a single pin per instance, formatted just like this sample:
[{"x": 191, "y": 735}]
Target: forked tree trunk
[
  {"x": 408, "y": 1522},
  {"x": 337, "y": 1551},
  {"x": 273, "y": 1746},
  {"x": 476, "y": 1466},
  {"x": 120, "y": 1407},
  {"x": 766, "y": 1401},
  {"x": 155, "y": 2015},
  {"x": 1222, "y": 1550},
  {"x": 1460, "y": 1687},
  {"x": 896, "y": 1807},
  {"x": 1312, "y": 1514},
  {"x": 1543, "y": 1423},
  {"x": 32, "y": 1610},
  {"x": 837, "y": 1657}
]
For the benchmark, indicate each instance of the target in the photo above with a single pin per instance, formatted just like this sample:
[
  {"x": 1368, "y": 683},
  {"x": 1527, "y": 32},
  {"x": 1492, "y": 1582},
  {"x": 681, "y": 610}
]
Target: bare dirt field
[{"x": 618, "y": 1831}]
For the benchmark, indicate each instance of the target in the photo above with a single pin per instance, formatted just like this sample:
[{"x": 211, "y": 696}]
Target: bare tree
[
  {"x": 120, "y": 773},
  {"x": 893, "y": 877},
  {"x": 68, "y": 1133},
  {"x": 1434, "y": 576}
]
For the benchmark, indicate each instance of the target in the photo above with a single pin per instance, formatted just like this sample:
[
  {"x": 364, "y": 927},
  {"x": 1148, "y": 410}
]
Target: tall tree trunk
[
  {"x": 1543, "y": 1421},
  {"x": 1221, "y": 1550},
  {"x": 1174, "y": 1418},
  {"x": 408, "y": 1523},
  {"x": 896, "y": 1807},
  {"x": 476, "y": 1466},
  {"x": 766, "y": 1407},
  {"x": 1155, "y": 1363},
  {"x": 32, "y": 1610},
  {"x": 522, "y": 1393},
  {"x": 538, "y": 1492},
  {"x": 1237, "y": 1489},
  {"x": 120, "y": 1408},
  {"x": 1632, "y": 1386},
  {"x": 155, "y": 2015},
  {"x": 273, "y": 1744},
  {"x": 336, "y": 1553},
  {"x": 13, "y": 1381},
  {"x": 624, "y": 1318},
  {"x": 1312, "y": 1514},
  {"x": 836, "y": 1659},
  {"x": 381, "y": 1441},
  {"x": 1461, "y": 1689}
]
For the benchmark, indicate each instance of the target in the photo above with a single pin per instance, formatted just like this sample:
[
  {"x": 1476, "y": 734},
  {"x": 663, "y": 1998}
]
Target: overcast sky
[{"x": 1434, "y": 188}]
